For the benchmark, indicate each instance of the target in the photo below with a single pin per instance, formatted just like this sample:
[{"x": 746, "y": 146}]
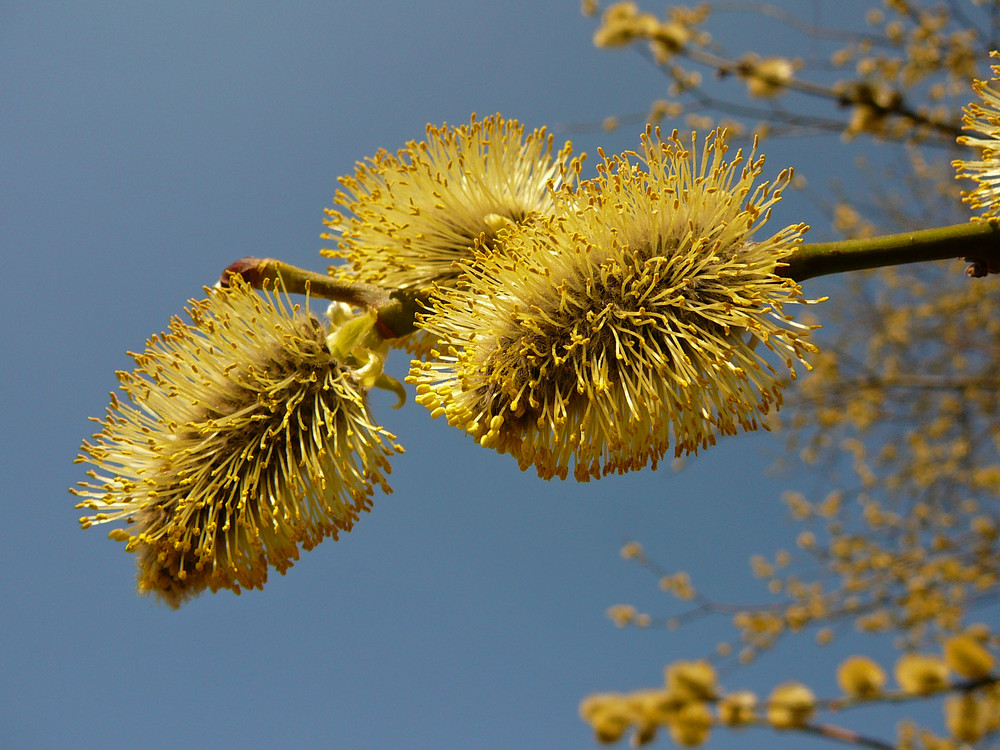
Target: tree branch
[
  {"x": 847, "y": 736},
  {"x": 396, "y": 309},
  {"x": 976, "y": 241}
]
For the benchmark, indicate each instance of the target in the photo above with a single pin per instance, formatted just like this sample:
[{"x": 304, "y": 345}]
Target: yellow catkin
[
  {"x": 738, "y": 709},
  {"x": 625, "y": 325},
  {"x": 966, "y": 656},
  {"x": 861, "y": 677},
  {"x": 964, "y": 717},
  {"x": 790, "y": 706},
  {"x": 692, "y": 725},
  {"x": 921, "y": 674},
  {"x": 691, "y": 680},
  {"x": 246, "y": 438},
  {"x": 982, "y": 119}
]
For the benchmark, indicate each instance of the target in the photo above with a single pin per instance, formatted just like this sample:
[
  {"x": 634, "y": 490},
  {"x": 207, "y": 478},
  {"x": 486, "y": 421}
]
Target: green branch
[
  {"x": 976, "y": 241},
  {"x": 396, "y": 310},
  {"x": 847, "y": 736}
]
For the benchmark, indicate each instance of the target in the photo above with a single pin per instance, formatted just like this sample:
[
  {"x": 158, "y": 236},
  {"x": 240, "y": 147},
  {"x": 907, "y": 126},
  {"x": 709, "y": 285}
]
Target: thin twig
[{"x": 847, "y": 736}]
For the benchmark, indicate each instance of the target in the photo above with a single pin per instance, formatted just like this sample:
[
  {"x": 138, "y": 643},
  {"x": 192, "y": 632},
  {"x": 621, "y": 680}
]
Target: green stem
[
  {"x": 396, "y": 310},
  {"x": 255, "y": 271},
  {"x": 976, "y": 241}
]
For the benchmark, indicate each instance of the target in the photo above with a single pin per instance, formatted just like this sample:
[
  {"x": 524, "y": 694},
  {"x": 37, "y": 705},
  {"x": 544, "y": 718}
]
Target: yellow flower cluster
[
  {"x": 975, "y": 711},
  {"x": 921, "y": 674},
  {"x": 932, "y": 42},
  {"x": 682, "y": 706},
  {"x": 626, "y": 322},
  {"x": 790, "y": 706},
  {"x": 689, "y": 705},
  {"x": 588, "y": 327},
  {"x": 691, "y": 702},
  {"x": 965, "y": 655},
  {"x": 414, "y": 214},
  {"x": 910, "y": 566},
  {"x": 901, "y": 80},
  {"x": 248, "y": 436},
  {"x": 768, "y": 77},
  {"x": 983, "y": 119},
  {"x": 625, "y": 614},
  {"x": 622, "y": 23},
  {"x": 861, "y": 677}
]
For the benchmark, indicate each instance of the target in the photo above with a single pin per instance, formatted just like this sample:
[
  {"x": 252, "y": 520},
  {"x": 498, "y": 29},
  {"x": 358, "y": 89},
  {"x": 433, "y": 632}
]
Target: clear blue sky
[{"x": 143, "y": 147}]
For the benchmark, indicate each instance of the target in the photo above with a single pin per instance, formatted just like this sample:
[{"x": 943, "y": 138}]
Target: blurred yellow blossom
[
  {"x": 966, "y": 656},
  {"x": 691, "y": 680},
  {"x": 767, "y": 77},
  {"x": 738, "y": 709},
  {"x": 692, "y": 724},
  {"x": 921, "y": 674},
  {"x": 790, "y": 705},
  {"x": 964, "y": 718}
]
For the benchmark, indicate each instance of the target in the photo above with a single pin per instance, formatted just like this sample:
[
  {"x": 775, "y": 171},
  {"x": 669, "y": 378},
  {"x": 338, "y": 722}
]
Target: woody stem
[
  {"x": 396, "y": 310},
  {"x": 976, "y": 241}
]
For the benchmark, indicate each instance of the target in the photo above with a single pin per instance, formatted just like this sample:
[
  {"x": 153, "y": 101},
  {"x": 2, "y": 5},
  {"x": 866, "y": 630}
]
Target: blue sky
[{"x": 145, "y": 146}]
